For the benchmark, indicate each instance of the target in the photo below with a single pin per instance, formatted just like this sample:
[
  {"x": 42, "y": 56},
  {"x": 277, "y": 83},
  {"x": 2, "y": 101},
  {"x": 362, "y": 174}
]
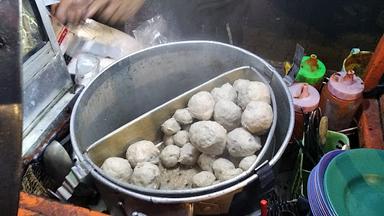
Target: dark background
[{"x": 271, "y": 28}]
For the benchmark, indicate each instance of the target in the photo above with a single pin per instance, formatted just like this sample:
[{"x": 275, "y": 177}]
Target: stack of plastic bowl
[
  {"x": 316, "y": 196},
  {"x": 348, "y": 183}
]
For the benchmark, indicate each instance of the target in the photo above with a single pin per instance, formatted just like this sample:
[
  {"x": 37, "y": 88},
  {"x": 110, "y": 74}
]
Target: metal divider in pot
[{"x": 147, "y": 127}]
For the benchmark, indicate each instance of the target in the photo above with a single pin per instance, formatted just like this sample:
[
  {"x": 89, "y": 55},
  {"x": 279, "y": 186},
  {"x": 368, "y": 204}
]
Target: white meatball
[
  {"x": 203, "y": 179},
  {"x": 259, "y": 91},
  {"x": 241, "y": 143},
  {"x": 146, "y": 175},
  {"x": 256, "y": 91},
  {"x": 181, "y": 138},
  {"x": 225, "y": 92},
  {"x": 208, "y": 136},
  {"x": 205, "y": 162},
  {"x": 168, "y": 140},
  {"x": 201, "y": 105},
  {"x": 247, "y": 162},
  {"x": 170, "y": 127},
  {"x": 188, "y": 155},
  {"x": 228, "y": 114},
  {"x": 257, "y": 117},
  {"x": 142, "y": 151},
  {"x": 117, "y": 168},
  {"x": 220, "y": 166},
  {"x": 183, "y": 116},
  {"x": 169, "y": 156},
  {"x": 229, "y": 174},
  {"x": 241, "y": 85}
]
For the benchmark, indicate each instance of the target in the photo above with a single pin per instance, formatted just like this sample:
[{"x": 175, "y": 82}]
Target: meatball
[
  {"x": 255, "y": 91},
  {"x": 181, "y": 138},
  {"x": 188, "y": 155},
  {"x": 117, "y": 168},
  {"x": 142, "y": 151},
  {"x": 208, "y": 136},
  {"x": 225, "y": 92},
  {"x": 247, "y": 162},
  {"x": 229, "y": 174},
  {"x": 201, "y": 105},
  {"x": 257, "y": 117},
  {"x": 241, "y": 85},
  {"x": 183, "y": 116},
  {"x": 170, "y": 127},
  {"x": 241, "y": 143},
  {"x": 203, "y": 179},
  {"x": 169, "y": 156},
  {"x": 168, "y": 140},
  {"x": 146, "y": 175},
  {"x": 228, "y": 114},
  {"x": 205, "y": 162},
  {"x": 220, "y": 166}
]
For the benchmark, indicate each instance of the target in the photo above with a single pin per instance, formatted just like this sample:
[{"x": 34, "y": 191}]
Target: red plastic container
[{"x": 341, "y": 98}]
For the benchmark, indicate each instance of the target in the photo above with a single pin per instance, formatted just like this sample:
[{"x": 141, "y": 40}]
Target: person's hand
[
  {"x": 114, "y": 11},
  {"x": 71, "y": 11},
  {"x": 107, "y": 11}
]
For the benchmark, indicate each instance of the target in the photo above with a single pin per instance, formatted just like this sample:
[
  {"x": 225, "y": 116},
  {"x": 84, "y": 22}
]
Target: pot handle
[{"x": 77, "y": 182}]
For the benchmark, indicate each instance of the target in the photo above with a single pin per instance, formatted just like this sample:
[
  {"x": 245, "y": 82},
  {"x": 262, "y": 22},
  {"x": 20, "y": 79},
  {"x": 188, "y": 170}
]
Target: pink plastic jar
[
  {"x": 305, "y": 99},
  {"x": 341, "y": 98}
]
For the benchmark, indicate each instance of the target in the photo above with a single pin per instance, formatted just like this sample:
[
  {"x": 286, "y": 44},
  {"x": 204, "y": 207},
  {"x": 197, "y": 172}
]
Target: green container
[
  {"x": 334, "y": 139},
  {"x": 354, "y": 183},
  {"x": 311, "y": 71}
]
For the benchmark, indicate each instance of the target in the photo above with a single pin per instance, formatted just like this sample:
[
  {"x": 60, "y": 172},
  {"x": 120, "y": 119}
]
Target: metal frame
[
  {"x": 44, "y": 14},
  {"x": 46, "y": 86}
]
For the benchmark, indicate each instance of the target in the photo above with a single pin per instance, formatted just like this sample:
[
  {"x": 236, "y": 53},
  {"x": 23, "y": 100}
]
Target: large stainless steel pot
[{"x": 146, "y": 79}]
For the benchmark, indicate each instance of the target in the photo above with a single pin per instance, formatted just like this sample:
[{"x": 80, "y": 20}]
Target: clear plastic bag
[
  {"x": 151, "y": 32},
  {"x": 101, "y": 40},
  {"x": 87, "y": 67}
]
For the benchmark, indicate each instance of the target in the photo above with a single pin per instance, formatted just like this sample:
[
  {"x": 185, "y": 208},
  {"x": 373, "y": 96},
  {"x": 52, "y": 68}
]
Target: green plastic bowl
[{"x": 354, "y": 183}]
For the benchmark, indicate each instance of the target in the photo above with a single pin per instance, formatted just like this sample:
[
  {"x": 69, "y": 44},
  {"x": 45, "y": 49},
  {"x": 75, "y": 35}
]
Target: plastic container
[
  {"x": 305, "y": 99},
  {"x": 311, "y": 71},
  {"x": 341, "y": 98},
  {"x": 336, "y": 141}
]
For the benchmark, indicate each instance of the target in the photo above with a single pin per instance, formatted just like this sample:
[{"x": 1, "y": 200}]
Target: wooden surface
[
  {"x": 370, "y": 128},
  {"x": 375, "y": 68},
  {"x": 30, "y": 205}
]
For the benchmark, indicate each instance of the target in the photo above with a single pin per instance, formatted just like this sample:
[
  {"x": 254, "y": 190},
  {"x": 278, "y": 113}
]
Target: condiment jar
[
  {"x": 311, "y": 71},
  {"x": 341, "y": 98},
  {"x": 305, "y": 100}
]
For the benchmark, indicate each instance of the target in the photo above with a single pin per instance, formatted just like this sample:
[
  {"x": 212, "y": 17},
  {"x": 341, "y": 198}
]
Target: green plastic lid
[{"x": 311, "y": 71}]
